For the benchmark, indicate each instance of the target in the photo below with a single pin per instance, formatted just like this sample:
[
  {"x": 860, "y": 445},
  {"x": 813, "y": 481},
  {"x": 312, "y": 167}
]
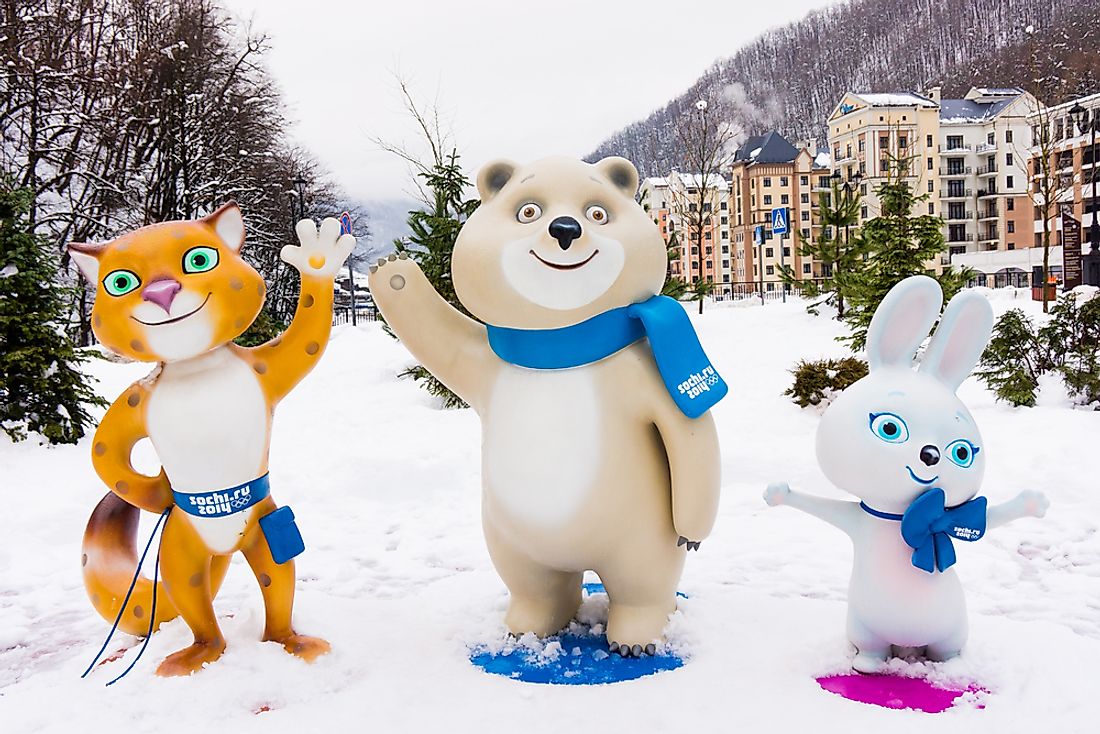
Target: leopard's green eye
[
  {"x": 200, "y": 260},
  {"x": 121, "y": 282}
]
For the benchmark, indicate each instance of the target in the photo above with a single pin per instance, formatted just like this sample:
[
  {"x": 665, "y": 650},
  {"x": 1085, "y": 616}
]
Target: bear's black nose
[
  {"x": 565, "y": 230},
  {"x": 930, "y": 455}
]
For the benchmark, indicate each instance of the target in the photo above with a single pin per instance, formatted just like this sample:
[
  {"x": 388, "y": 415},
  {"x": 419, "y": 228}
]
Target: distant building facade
[
  {"x": 673, "y": 202},
  {"x": 769, "y": 172}
]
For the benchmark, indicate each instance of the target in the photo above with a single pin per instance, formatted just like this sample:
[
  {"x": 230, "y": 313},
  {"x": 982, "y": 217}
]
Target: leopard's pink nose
[{"x": 161, "y": 292}]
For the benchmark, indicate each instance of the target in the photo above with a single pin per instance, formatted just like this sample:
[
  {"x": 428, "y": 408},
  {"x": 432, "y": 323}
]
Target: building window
[
  {"x": 1008, "y": 159},
  {"x": 784, "y": 199},
  {"x": 861, "y": 146},
  {"x": 768, "y": 181},
  {"x": 1010, "y": 204},
  {"x": 990, "y": 139},
  {"x": 931, "y": 165},
  {"x": 931, "y": 209},
  {"x": 770, "y": 270},
  {"x": 863, "y": 212},
  {"x": 884, "y": 142},
  {"x": 806, "y": 268},
  {"x": 805, "y": 198},
  {"x": 928, "y": 142},
  {"x": 903, "y": 141},
  {"x": 931, "y": 186},
  {"x": 954, "y": 142},
  {"x": 784, "y": 181},
  {"x": 1009, "y": 181},
  {"x": 723, "y": 206},
  {"x": 786, "y": 252},
  {"x": 804, "y": 180},
  {"x": 769, "y": 252},
  {"x": 1012, "y": 227},
  {"x": 767, "y": 199},
  {"x": 805, "y": 216},
  {"x": 1008, "y": 136},
  {"x": 725, "y": 220}
]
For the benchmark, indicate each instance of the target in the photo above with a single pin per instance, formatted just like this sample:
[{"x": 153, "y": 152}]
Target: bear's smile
[{"x": 570, "y": 266}]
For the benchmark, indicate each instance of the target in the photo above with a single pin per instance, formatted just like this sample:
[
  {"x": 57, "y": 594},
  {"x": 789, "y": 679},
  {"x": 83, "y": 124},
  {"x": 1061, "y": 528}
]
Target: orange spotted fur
[{"x": 185, "y": 318}]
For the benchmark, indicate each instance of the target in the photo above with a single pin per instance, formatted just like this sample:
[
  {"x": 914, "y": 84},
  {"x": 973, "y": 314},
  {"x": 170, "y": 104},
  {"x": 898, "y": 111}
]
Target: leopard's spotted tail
[{"x": 110, "y": 562}]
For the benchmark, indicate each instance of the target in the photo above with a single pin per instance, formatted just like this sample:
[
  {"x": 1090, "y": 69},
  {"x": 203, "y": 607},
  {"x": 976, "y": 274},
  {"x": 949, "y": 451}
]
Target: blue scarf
[
  {"x": 927, "y": 527},
  {"x": 688, "y": 375}
]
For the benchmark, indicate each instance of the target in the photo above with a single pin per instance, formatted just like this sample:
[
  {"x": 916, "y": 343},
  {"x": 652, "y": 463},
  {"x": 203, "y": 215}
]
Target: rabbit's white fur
[{"x": 890, "y": 602}]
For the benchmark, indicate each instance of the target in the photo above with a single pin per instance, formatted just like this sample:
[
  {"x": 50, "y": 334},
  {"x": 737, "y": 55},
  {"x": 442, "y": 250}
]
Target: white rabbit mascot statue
[{"x": 903, "y": 443}]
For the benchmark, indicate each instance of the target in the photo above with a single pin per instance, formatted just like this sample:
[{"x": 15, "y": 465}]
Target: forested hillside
[{"x": 791, "y": 77}]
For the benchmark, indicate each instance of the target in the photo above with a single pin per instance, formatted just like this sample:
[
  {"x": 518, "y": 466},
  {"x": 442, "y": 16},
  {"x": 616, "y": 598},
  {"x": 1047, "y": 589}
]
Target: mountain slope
[{"x": 791, "y": 77}]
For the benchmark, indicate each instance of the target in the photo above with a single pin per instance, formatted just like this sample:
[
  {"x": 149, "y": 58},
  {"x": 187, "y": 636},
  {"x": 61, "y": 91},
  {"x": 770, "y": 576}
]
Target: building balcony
[
  {"x": 986, "y": 148},
  {"x": 958, "y": 194},
  {"x": 985, "y": 214},
  {"x": 990, "y": 245},
  {"x": 968, "y": 237},
  {"x": 987, "y": 170},
  {"x": 965, "y": 216},
  {"x": 960, "y": 171},
  {"x": 984, "y": 193},
  {"x": 956, "y": 149}
]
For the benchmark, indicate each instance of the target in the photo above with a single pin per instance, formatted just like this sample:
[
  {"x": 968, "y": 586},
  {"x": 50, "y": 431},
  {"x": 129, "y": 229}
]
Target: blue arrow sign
[{"x": 780, "y": 221}]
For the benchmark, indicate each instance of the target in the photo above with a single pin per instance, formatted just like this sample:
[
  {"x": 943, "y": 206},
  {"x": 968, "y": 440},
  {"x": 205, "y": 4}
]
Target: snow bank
[{"x": 396, "y": 575}]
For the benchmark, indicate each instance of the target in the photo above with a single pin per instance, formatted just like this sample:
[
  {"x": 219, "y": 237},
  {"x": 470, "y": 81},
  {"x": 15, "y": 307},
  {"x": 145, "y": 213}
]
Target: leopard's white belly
[
  {"x": 208, "y": 420},
  {"x": 542, "y": 442}
]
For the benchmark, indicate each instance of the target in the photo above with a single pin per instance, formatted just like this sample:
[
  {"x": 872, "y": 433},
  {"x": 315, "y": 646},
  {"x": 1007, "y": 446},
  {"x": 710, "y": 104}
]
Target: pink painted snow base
[{"x": 895, "y": 692}]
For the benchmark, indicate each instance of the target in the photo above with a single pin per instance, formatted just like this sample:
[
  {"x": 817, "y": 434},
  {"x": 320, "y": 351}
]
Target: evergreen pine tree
[
  {"x": 434, "y": 232},
  {"x": 899, "y": 245},
  {"x": 841, "y": 251},
  {"x": 42, "y": 389}
]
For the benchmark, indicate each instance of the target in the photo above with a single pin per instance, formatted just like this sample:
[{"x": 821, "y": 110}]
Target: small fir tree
[
  {"x": 42, "y": 389},
  {"x": 841, "y": 251},
  {"x": 431, "y": 244},
  {"x": 899, "y": 245}
]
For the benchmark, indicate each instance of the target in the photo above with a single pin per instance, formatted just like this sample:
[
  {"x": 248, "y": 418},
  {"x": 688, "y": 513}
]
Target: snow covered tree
[
  {"x": 42, "y": 389},
  {"x": 899, "y": 245}
]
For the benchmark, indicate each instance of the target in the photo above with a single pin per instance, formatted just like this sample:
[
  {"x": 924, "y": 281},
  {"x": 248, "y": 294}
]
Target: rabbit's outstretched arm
[
  {"x": 1028, "y": 503},
  {"x": 839, "y": 514}
]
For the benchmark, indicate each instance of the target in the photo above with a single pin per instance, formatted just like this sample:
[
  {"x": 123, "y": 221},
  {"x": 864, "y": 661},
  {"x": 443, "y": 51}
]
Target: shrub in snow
[
  {"x": 818, "y": 382},
  {"x": 1068, "y": 345}
]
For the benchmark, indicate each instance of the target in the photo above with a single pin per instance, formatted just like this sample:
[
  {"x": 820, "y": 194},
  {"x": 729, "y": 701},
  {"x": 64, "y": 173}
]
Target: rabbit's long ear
[
  {"x": 959, "y": 340},
  {"x": 902, "y": 320}
]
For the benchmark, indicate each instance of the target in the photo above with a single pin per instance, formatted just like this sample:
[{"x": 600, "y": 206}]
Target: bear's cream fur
[{"x": 588, "y": 468}]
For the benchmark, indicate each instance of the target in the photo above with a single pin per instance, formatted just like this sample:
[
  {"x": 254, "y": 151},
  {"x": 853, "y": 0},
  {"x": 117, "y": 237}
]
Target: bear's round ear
[
  {"x": 228, "y": 223},
  {"x": 620, "y": 172},
  {"x": 493, "y": 176}
]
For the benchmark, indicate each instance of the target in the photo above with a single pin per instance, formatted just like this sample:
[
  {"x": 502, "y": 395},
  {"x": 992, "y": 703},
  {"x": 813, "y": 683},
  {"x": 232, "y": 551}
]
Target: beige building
[
  {"x": 869, "y": 133},
  {"x": 769, "y": 172}
]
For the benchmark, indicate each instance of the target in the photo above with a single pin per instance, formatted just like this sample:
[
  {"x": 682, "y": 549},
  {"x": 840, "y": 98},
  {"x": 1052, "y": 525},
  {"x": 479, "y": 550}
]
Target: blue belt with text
[{"x": 223, "y": 502}]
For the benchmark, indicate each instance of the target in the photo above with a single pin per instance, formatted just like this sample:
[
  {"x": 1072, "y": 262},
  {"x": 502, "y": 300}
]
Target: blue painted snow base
[{"x": 583, "y": 660}]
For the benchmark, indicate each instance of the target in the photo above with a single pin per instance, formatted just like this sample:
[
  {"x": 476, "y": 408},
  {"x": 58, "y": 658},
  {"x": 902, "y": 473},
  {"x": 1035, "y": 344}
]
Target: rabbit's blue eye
[
  {"x": 889, "y": 427},
  {"x": 962, "y": 452}
]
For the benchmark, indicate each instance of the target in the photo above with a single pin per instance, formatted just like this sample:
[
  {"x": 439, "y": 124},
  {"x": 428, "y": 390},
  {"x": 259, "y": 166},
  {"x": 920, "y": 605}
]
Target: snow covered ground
[{"x": 396, "y": 575}]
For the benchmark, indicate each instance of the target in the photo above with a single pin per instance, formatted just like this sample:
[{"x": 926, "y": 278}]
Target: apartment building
[
  {"x": 984, "y": 148},
  {"x": 769, "y": 172},
  {"x": 674, "y": 203},
  {"x": 1074, "y": 165},
  {"x": 870, "y": 133}
]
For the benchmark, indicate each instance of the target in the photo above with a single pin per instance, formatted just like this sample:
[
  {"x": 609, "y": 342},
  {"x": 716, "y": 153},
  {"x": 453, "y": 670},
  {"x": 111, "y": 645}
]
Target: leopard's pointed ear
[
  {"x": 228, "y": 223},
  {"x": 86, "y": 257}
]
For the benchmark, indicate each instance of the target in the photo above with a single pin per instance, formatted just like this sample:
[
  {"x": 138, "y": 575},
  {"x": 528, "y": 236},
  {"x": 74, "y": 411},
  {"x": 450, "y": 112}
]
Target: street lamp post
[{"x": 1086, "y": 123}]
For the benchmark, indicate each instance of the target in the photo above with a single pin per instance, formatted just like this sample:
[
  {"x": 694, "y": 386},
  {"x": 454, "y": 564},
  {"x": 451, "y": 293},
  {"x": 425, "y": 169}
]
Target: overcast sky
[{"x": 514, "y": 79}]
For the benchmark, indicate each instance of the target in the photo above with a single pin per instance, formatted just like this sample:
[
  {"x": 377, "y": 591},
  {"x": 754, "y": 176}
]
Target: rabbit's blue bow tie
[
  {"x": 927, "y": 527},
  {"x": 688, "y": 375}
]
